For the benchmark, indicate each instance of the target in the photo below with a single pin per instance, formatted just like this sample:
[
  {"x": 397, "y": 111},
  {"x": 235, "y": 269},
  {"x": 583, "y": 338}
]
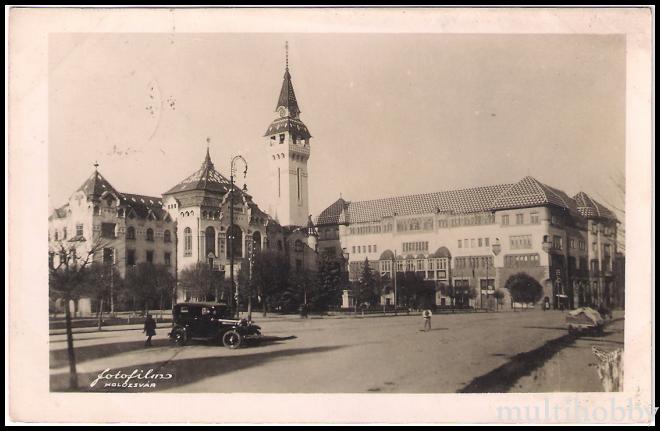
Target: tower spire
[{"x": 286, "y": 53}]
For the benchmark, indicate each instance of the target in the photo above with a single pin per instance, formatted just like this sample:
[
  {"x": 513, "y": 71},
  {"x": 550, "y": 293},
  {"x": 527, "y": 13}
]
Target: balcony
[{"x": 300, "y": 149}]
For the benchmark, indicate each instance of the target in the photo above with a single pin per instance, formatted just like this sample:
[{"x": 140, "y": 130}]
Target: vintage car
[
  {"x": 211, "y": 322},
  {"x": 584, "y": 319}
]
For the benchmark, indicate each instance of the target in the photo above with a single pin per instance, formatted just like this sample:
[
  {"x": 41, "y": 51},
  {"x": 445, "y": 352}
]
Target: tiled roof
[
  {"x": 60, "y": 212},
  {"x": 528, "y": 192},
  {"x": 288, "y": 96},
  {"x": 96, "y": 185},
  {"x": 205, "y": 178},
  {"x": 456, "y": 201},
  {"x": 288, "y": 124},
  {"x": 142, "y": 204},
  {"x": 334, "y": 213},
  {"x": 591, "y": 208}
]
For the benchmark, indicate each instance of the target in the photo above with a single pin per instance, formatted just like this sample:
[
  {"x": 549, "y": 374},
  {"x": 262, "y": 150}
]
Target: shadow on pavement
[
  {"x": 183, "y": 371},
  {"x": 267, "y": 340},
  {"x": 503, "y": 378},
  {"x": 59, "y": 358}
]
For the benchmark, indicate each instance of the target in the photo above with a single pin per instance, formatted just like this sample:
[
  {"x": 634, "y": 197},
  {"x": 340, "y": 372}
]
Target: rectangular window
[
  {"x": 571, "y": 243},
  {"x": 130, "y": 257},
  {"x": 298, "y": 175},
  {"x": 281, "y": 138},
  {"x": 375, "y": 249},
  {"x": 150, "y": 256},
  {"x": 534, "y": 218},
  {"x": 481, "y": 242},
  {"x": 79, "y": 230},
  {"x": 108, "y": 230},
  {"x": 472, "y": 243},
  {"x": 369, "y": 249},
  {"x": 487, "y": 242},
  {"x": 557, "y": 242},
  {"x": 520, "y": 242},
  {"x": 519, "y": 218},
  {"x": 168, "y": 259},
  {"x": 64, "y": 233},
  {"x": 505, "y": 219},
  {"x": 108, "y": 255},
  {"x": 353, "y": 249},
  {"x": 581, "y": 244},
  {"x": 460, "y": 244}
]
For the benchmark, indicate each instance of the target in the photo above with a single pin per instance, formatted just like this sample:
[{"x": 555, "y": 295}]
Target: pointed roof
[
  {"x": 96, "y": 185},
  {"x": 288, "y": 124},
  {"x": 205, "y": 178},
  {"x": 590, "y": 208},
  {"x": 288, "y": 96},
  {"x": 334, "y": 214},
  {"x": 530, "y": 192}
]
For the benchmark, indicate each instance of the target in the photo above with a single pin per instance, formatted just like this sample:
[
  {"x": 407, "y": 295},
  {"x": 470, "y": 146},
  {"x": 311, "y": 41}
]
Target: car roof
[{"x": 201, "y": 304}]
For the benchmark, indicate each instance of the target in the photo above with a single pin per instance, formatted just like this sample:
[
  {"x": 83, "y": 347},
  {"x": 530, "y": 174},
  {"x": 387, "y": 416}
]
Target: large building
[
  {"x": 192, "y": 221},
  {"x": 122, "y": 228},
  {"x": 479, "y": 237}
]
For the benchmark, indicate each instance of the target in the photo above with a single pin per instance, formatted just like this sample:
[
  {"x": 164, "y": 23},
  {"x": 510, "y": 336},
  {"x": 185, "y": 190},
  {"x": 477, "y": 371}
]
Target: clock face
[{"x": 282, "y": 111}]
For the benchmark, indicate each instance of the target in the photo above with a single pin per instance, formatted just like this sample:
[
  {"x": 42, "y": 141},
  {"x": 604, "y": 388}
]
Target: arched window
[
  {"x": 298, "y": 246},
  {"x": 235, "y": 238},
  {"x": 210, "y": 242},
  {"x": 130, "y": 232},
  {"x": 167, "y": 236},
  {"x": 150, "y": 234},
  {"x": 256, "y": 239},
  {"x": 187, "y": 242}
]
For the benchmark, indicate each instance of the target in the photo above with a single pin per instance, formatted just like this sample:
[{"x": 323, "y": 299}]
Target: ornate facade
[{"x": 477, "y": 238}]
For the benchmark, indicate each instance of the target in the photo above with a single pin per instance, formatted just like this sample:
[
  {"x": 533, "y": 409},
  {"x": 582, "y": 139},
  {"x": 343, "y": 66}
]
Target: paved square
[{"x": 474, "y": 352}]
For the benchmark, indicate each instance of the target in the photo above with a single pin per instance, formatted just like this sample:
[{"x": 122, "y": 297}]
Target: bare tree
[{"x": 68, "y": 281}]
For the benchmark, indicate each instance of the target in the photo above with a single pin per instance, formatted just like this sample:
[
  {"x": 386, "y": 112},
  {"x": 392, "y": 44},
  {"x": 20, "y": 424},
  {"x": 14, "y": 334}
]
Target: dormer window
[{"x": 282, "y": 136}]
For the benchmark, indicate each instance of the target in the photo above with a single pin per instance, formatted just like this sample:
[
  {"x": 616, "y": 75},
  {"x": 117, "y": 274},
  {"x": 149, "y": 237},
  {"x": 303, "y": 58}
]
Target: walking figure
[
  {"x": 149, "y": 329},
  {"x": 427, "y": 319}
]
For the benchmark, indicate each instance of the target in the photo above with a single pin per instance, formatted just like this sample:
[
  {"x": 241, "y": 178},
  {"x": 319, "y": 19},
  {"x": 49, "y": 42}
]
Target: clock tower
[{"x": 287, "y": 143}]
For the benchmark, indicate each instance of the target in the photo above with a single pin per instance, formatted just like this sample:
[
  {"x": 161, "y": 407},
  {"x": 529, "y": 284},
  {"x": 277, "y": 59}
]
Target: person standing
[
  {"x": 149, "y": 329},
  {"x": 427, "y": 319}
]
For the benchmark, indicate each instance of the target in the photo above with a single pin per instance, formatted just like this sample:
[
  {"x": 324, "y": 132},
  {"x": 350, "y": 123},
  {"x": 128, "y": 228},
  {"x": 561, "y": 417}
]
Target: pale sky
[{"x": 389, "y": 114}]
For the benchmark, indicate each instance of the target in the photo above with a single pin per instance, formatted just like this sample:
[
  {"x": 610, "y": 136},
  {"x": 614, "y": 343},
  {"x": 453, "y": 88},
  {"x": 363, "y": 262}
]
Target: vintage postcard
[{"x": 424, "y": 215}]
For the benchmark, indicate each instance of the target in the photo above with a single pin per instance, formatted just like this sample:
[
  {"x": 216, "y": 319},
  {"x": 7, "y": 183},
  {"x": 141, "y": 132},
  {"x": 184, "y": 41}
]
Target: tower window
[
  {"x": 281, "y": 138},
  {"x": 298, "y": 174}
]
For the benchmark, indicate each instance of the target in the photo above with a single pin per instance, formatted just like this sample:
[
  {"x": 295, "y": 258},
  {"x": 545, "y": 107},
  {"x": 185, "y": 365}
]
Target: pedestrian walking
[
  {"x": 427, "y": 319},
  {"x": 149, "y": 329}
]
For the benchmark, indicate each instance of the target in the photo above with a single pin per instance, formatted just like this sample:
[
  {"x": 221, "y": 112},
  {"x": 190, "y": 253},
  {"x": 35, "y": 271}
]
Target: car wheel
[
  {"x": 232, "y": 339},
  {"x": 180, "y": 338}
]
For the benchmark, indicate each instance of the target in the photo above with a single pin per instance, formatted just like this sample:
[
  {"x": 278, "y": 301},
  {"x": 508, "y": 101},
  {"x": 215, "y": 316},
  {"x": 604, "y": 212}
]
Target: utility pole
[{"x": 233, "y": 293}]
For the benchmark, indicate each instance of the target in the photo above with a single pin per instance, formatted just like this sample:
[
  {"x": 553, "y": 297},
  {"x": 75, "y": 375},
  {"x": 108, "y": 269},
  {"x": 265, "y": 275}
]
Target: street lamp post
[
  {"x": 233, "y": 293},
  {"x": 394, "y": 279}
]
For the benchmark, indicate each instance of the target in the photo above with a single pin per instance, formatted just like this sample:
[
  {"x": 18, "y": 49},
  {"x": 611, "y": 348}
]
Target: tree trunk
[
  {"x": 100, "y": 314},
  {"x": 263, "y": 304},
  {"x": 249, "y": 307},
  {"x": 161, "y": 306},
  {"x": 73, "y": 375}
]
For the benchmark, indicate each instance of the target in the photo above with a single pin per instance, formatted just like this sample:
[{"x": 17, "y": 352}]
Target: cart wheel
[{"x": 232, "y": 339}]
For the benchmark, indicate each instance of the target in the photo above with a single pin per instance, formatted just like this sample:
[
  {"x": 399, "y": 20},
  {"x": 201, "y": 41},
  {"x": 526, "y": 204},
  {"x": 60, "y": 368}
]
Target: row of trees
[
  {"x": 270, "y": 283},
  {"x": 416, "y": 292}
]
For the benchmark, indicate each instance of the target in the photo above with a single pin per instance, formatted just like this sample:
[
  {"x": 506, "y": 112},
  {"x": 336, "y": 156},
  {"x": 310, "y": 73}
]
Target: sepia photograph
[{"x": 318, "y": 212}]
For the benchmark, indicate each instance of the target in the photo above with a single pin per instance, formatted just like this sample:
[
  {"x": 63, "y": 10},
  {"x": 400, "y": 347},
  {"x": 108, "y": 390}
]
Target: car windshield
[{"x": 222, "y": 312}]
